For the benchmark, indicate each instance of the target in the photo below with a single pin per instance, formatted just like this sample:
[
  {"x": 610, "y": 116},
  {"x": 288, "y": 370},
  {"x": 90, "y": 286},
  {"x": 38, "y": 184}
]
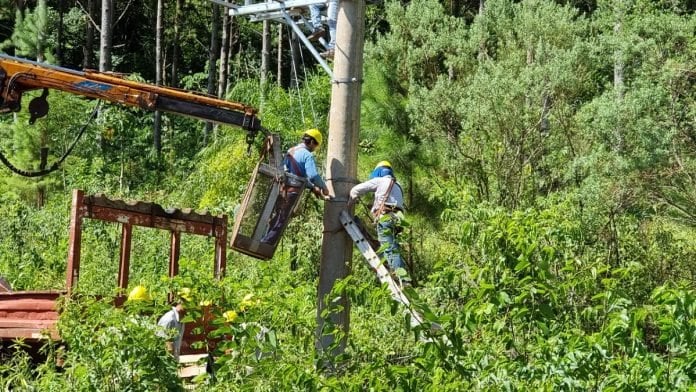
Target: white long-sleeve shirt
[
  {"x": 171, "y": 320},
  {"x": 379, "y": 186}
]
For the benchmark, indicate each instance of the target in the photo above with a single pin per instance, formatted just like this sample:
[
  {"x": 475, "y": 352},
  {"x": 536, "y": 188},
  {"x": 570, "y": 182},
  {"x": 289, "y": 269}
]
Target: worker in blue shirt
[{"x": 299, "y": 161}]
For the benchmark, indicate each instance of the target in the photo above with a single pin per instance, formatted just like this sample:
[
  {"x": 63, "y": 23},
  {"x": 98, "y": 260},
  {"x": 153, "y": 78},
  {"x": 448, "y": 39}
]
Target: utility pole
[{"x": 341, "y": 169}]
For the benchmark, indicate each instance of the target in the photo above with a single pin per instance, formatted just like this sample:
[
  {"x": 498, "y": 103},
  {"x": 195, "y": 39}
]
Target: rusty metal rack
[
  {"x": 144, "y": 214},
  {"x": 32, "y": 315}
]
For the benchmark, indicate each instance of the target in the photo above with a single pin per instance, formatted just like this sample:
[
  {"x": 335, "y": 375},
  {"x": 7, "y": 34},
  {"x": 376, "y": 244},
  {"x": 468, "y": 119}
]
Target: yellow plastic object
[{"x": 139, "y": 293}]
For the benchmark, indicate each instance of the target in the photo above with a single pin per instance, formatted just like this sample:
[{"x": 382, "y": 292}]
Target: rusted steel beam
[
  {"x": 75, "y": 241},
  {"x": 148, "y": 208},
  {"x": 157, "y": 222},
  {"x": 124, "y": 262},
  {"x": 220, "y": 249},
  {"x": 174, "y": 253},
  {"x": 143, "y": 214}
]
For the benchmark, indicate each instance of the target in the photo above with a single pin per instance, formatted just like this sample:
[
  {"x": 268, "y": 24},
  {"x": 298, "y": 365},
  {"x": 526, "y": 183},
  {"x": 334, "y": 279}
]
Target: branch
[
  {"x": 89, "y": 16},
  {"x": 123, "y": 13}
]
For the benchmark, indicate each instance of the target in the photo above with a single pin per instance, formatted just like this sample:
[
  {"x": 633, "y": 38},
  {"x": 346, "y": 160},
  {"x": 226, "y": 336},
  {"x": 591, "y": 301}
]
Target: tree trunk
[
  {"x": 88, "y": 48},
  {"x": 174, "y": 82},
  {"x": 224, "y": 55},
  {"x": 232, "y": 37},
  {"x": 59, "y": 46},
  {"x": 483, "y": 47},
  {"x": 41, "y": 42},
  {"x": 213, "y": 52},
  {"x": 157, "y": 128},
  {"x": 279, "y": 76},
  {"x": 618, "y": 73},
  {"x": 265, "y": 53},
  {"x": 105, "y": 36}
]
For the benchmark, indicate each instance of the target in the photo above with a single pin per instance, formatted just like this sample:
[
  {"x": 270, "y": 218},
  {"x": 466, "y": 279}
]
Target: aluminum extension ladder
[{"x": 378, "y": 267}]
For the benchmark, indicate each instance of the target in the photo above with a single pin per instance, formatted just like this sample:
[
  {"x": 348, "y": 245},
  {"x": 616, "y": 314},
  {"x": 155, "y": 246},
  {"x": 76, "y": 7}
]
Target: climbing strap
[{"x": 380, "y": 210}]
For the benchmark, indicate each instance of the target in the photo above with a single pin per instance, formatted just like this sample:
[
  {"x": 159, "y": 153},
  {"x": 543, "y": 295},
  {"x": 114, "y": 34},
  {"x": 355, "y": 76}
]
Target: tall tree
[
  {"x": 265, "y": 53},
  {"x": 224, "y": 54},
  {"x": 90, "y": 30},
  {"x": 157, "y": 127},
  {"x": 294, "y": 60},
  {"x": 176, "y": 47},
  {"x": 106, "y": 36},
  {"x": 31, "y": 38},
  {"x": 279, "y": 72},
  {"x": 31, "y": 34},
  {"x": 213, "y": 53},
  {"x": 59, "y": 38},
  {"x": 619, "y": 12}
]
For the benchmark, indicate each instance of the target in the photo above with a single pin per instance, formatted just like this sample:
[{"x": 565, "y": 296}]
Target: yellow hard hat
[
  {"x": 139, "y": 293},
  {"x": 383, "y": 164},
  {"x": 315, "y": 134}
]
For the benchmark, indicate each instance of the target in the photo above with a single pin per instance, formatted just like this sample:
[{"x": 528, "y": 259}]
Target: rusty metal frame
[{"x": 142, "y": 214}]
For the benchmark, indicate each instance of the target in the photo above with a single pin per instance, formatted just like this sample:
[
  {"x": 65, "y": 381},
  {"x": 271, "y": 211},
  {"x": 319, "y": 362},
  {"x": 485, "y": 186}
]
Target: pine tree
[{"x": 30, "y": 37}]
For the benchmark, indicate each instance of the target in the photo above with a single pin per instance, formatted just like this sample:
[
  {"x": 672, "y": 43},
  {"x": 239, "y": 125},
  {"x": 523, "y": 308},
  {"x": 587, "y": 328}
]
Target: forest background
[{"x": 547, "y": 150}]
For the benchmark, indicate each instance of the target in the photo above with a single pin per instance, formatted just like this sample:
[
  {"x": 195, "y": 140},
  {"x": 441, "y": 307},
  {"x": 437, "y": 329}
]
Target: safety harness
[
  {"x": 288, "y": 185},
  {"x": 383, "y": 206}
]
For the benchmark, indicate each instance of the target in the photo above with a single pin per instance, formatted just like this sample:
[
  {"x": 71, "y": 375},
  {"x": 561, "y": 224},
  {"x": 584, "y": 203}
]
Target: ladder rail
[{"x": 378, "y": 267}]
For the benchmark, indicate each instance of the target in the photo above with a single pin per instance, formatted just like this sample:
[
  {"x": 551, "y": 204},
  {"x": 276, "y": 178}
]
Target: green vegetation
[{"x": 547, "y": 149}]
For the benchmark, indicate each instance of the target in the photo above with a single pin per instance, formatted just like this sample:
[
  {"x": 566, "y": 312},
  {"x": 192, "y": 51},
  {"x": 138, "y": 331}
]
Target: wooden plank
[
  {"x": 6, "y": 323},
  {"x": 28, "y": 333},
  {"x": 28, "y": 301}
]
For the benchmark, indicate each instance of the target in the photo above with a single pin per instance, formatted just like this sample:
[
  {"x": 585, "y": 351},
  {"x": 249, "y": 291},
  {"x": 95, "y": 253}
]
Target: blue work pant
[{"x": 386, "y": 234}]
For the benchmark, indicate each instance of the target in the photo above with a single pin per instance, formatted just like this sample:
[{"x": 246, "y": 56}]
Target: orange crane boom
[{"x": 20, "y": 75}]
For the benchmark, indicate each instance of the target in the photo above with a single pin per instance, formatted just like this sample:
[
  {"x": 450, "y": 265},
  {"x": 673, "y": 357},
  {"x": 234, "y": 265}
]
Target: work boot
[{"x": 316, "y": 34}]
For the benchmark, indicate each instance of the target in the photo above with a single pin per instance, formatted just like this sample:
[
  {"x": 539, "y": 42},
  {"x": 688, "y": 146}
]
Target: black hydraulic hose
[{"x": 57, "y": 163}]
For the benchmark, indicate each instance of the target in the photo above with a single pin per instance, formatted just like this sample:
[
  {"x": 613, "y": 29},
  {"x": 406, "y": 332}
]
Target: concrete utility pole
[{"x": 341, "y": 166}]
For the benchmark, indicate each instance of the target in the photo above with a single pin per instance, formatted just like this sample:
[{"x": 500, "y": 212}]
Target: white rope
[
  {"x": 294, "y": 69},
  {"x": 311, "y": 101}
]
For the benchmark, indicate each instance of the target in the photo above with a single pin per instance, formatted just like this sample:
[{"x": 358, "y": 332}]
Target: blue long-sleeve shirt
[{"x": 305, "y": 164}]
